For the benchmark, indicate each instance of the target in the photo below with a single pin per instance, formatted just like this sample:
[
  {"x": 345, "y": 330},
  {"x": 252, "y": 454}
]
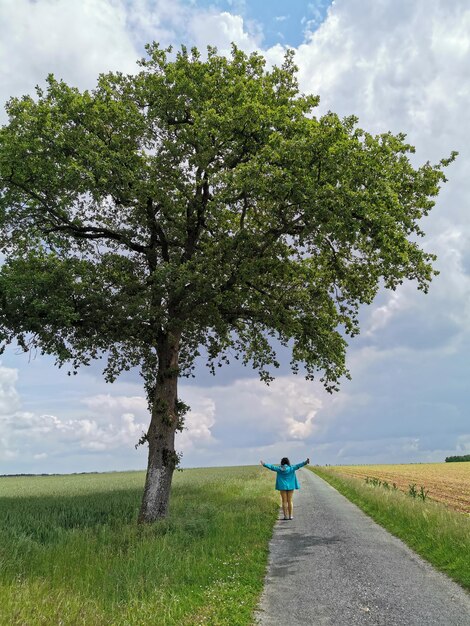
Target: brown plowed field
[{"x": 448, "y": 483}]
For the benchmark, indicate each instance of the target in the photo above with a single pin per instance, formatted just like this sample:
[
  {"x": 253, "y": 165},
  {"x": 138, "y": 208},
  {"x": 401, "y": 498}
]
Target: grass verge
[
  {"x": 72, "y": 553},
  {"x": 439, "y": 535}
]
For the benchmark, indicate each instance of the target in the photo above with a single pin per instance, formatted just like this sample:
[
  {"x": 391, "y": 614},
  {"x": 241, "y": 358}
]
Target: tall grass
[
  {"x": 72, "y": 553},
  {"x": 440, "y": 535}
]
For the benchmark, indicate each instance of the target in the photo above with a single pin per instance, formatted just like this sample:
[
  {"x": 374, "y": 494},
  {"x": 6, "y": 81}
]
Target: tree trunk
[{"x": 162, "y": 458}]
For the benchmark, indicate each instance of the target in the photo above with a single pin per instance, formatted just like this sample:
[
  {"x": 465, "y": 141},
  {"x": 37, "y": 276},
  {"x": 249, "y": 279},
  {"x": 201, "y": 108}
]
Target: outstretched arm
[
  {"x": 296, "y": 467},
  {"x": 273, "y": 468}
]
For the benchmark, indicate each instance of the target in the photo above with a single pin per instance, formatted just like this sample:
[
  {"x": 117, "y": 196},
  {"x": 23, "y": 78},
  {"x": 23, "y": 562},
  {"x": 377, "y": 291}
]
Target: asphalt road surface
[{"x": 333, "y": 566}]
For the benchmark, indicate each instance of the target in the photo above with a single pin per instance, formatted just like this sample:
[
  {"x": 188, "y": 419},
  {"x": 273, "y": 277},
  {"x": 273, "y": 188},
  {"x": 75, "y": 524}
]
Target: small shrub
[
  {"x": 423, "y": 493},
  {"x": 412, "y": 490}
]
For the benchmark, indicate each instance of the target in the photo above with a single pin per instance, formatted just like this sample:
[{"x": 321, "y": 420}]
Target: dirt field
[{"x": 447, "y": 482}]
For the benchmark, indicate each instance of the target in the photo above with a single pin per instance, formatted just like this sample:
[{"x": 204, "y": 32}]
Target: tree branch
[
  {"x": 93, "y": 232},
  {"x": 244, "y": 210},
  {"x": 157, "y": 236},
  {"x": 197, "y": 205}
]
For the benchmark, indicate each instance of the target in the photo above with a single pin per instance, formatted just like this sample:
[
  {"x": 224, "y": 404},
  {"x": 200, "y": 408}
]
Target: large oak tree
[{"x": 199, "y": 206}]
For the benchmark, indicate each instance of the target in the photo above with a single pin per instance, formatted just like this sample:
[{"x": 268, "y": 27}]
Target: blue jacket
[{"x": 286, "y": 478}]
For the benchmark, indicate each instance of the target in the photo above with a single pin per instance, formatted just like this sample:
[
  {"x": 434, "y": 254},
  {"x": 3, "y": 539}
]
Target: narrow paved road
[{"x": 333, "y": 566}]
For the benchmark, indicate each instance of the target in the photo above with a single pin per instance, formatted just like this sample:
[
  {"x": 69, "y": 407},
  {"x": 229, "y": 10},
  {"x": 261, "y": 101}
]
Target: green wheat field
[{"x": 71, "y": 552}]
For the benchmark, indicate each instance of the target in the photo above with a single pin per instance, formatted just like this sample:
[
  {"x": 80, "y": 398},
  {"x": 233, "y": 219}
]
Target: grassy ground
[
  {"x": 71, "y": 552},
  {"x": 440, "y": 535}
]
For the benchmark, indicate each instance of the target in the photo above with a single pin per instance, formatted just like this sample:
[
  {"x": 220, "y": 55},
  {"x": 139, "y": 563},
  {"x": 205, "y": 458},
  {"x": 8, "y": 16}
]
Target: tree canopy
[{"x": 199, "y": 205}]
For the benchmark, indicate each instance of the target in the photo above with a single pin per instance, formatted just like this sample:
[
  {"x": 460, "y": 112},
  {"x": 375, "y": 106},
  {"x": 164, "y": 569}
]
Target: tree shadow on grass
[
  {"x": 41, "y": 518},
  {"x": 45, "y": 518}
]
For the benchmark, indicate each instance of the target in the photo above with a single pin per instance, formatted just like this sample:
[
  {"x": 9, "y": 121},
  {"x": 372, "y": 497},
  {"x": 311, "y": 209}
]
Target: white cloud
[
  {"x": 253, "y": 414},
  {"x": 463, "y": 444},
  {"x": 40, "y": 457},
  {"x": 70, "y": 435},
  {"x": 199, "y": 421},
  {"x": 382, "y": 315},
  {"x": 156, "y": 20},
  {"x": 382, "y": 450},
  {"x": 294, "y": 402},
  {"x": 109, "y": 423},
  {"x": 445, "y": 311},
  {"x": 7, "y": 453},
  {"x": 221, "y": 29},
  {"x": 397, "y": 65},
  {"x": 9, "y": 398},
  {"x": 38, "y": 436},
  {"x": 104, "y": 405},
  {"x": 74, "y": 40}
]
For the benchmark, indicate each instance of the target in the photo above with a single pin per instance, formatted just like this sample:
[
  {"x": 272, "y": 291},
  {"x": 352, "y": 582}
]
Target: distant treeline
[
  {"x": 456, "y": 459},
  {"x": 20, "y": 475}
]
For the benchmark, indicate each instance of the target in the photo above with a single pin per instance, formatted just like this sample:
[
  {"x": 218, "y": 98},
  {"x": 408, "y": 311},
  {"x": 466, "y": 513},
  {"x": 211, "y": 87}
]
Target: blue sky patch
[{"x": 280, "y": 21}]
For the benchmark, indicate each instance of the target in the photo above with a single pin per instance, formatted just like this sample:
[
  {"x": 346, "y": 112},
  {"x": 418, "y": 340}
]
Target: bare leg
[
  {"x": 285, "y": 506},
  {"x": 290, "y": 502}
]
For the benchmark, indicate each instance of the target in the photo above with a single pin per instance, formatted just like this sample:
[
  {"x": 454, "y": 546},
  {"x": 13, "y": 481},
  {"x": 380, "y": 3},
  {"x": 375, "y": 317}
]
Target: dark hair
[{"x": 285, "y": 461}]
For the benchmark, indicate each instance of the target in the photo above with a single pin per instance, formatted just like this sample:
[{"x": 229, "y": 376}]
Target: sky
[{"x": 398, "y": 65}]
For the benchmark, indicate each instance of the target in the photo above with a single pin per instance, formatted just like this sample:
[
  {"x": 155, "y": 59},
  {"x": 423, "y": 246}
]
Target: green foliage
[
  {"x": 458, "y": 459},
  {"x": 375, "y": 482},
  {"x": 440, "y": 535},
  {"x": 200, "y": 197},
  {"x": 412, "y": 491},
  {"x": 423, "y": 493},
  {"x": 72, "y": 554}
]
